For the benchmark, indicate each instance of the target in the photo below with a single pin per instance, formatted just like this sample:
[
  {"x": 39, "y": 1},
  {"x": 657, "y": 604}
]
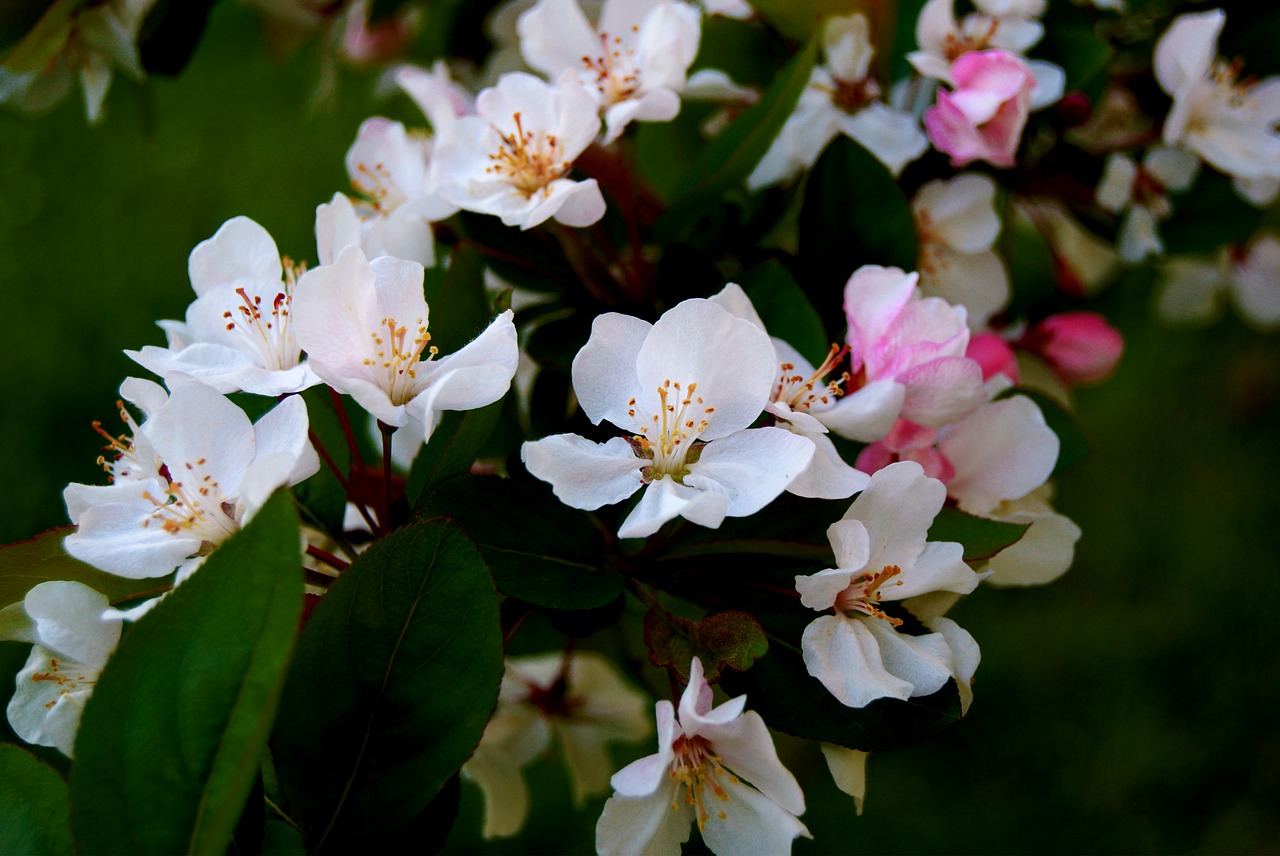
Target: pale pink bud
[
  {"x": 983, "y": 118},
  {"x": 1080, "y": 347},
  {"x": 994, "y": 355}
]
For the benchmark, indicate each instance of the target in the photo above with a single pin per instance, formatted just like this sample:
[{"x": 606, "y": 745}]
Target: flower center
[
  {"x": 802, "y": 393},
  {"x": 66, "y": 681},
  {"x": 266, "y": 330},
  {"x": 195, "y": 506},
  {"x": 126, "y": 464},
  {"x": 526, "y": 160},
  {"x": 975, "y": 34},
  {"x": 398, "y": 356},
  {"x": 670, "y": 438},
  {"x": 863, "y": 594},
  {"x": 852, "y": 95},
  {"x": 613, "y": 71},
  {"x": 699, "y": 769},
  {"x": 1149, "y": 192}
]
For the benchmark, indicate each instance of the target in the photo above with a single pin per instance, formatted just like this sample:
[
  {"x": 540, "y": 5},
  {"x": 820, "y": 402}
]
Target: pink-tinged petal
[
  {"x": 240, "y": 249},
  {"x": 952, "y": 133},
  {"x": 477, "y": 374},
  {"x": 645, "y": 825},
  {"x": 819, "y": 591},
  {"x": 697, "y": 721},
  {"x": 936, "y": 23},
  {"x": 750, "y": 822},
  {"x": 555, "y": 35},
  {"x": 68, "y": 619},
  {"x": 697, "y": 698},
  {"x": 827, "y": 476},
  {"x": 667, "y": 499},
  {"x": 337, "y": 227},
  {"x": 994, "y": 355},
  {"x": 875, "y": 457},
  {"x": 873, "y": 298},
  {"x": 867, "y": 414},
  {"x": 335, "y": 314},
  {"x": 750, "y": 468},
  {"x": 942, "y": 391},
  {"x": 1081, "y": 347},
  {"x": 1255, "y": 284},
  {"x": 897, "y": 509},
  {"x": 731, "y": 361},
  {"x": 1004, "y": 450},
  {"x": 605, "y": 369},
  {"x": 744, "y": 744},
  {"x": 584, "y": 474},
  {"x": 843, "y": 655},
  {"x": 994, "y": 72},
  {"x": 925, "y": 662},
  {"x": 1186, "y": 50}
]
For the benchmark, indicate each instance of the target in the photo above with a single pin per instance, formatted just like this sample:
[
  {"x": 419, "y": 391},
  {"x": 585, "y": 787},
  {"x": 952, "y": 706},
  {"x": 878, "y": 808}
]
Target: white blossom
[
  {"x": 957, "y": 226},
  {"x": 1139, "y": 193}
]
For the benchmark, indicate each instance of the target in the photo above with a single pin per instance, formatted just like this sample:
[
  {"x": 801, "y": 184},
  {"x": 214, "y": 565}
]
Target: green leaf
[
  {"x": 733, "y": 640},
  {"x": 455, "y": 295},
  {"x": 26, "y": 564},
  {"x": 854, "y": 213},
  {"x": 1072, "y": 447},
  {"x": 1209, "y": 215},
  {"x": 797, "y": 18},
  {"x": 785, "y": 310},
  {"x": 34, "y": 805},
  {"x": 170, "y": 742},
  {"x": 452, "y": 449},
  {"x": 530, "y": 259},
  {"x": 980, "y": 537},
  {"x": 43, "y": 43},
  {"x": 791, "y": 527},
  {"x": 730, "y": 157},
  {"x": 395, "y": 676},
  {"x": 539, "y": 549},
  {"x": 1081, "y": 52},
  {"x": 791, "y": 700}
]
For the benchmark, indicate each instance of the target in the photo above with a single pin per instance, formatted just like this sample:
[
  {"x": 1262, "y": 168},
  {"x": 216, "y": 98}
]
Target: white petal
[
  {"x": 965, "y": 654},
  {"x": 850, "y": 542},
  {"x": 1186, "y": 50},
  {"x": 849, "y": 771},
  {"x": 892, "y": 136},
  {"x": 1138, "y": 236},
  {"x": 49, "y": 699},
  {"x": 1115, "y": 190},
  {"x": 604, "y": 371},
  {"x": 828, "y": 476},
  {"x": 477, "y": 374},
  {"x": 940, "y": 567},
  {"x": 1173, "y": 167},
  {"x": 750, "y": 468},
  {"x": 842, "y": 654},
  {"x": 819, "y": 591},
  {"x": 1040, "y": 556},
  {"x": 666, "y": 499},
  {"x": 646, "y": 775},
  {"x": 734, "y": 299},
  {"x": 555, "y": 35},
  {"x": 578, "y": 204},
  {"x": 654, "y": 825},
  {"x": 584, "y": 474},
  {"x": 68, "y": 619},
  {"x": 961, "y": 211},
  {"x": 978, "y": 282},
  {"x": 240, "y": 249},
  {"x": 506, "y": 797},
  {"x": 745, "y": 746},
  {"x": 749, "y": 822},
  {"x": 1004, "y": 450},
  {"x": 337, "y": 227},
  {"x": 1050, "y": 79},
  {"x": 868, "y": 414},
  {"x": 923, "y": 661},
  {"x": 898, "y": 507}
]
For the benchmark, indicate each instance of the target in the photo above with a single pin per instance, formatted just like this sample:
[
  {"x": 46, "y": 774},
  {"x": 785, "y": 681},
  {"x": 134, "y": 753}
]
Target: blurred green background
[{"x": 1130, "y": 707}]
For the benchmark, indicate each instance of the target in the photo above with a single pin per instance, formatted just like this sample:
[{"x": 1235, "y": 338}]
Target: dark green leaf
[
  {"x": 539, "y": 549},
  {"x": 452, "y": 449},
  {"x": 171, "y": 33},
  {"x": 733, "y": 640},
  {"x": 791, "y": 527},
  {"x": 1072, "y": 446},
  {"x": 785, "y": 310},
  {"x": 730, "y": 157},
  {"x": 1081, "y": 52},
  {"x": 526, "y": 258},
  {"x": 797, "y": 18},
  {"x": 34, "y": 813},
  {"x": 394, "y": 679},
  {"x": 854, "y": 213},
  {"x": 170, "y": 742},
  {"x": 26, "y": 564},
  {"x": 980, "y": 537},
  {"x": 459, "y": 309},
  {"x": 1209, "y": 215},
  {"x": 791, "y": 700}
]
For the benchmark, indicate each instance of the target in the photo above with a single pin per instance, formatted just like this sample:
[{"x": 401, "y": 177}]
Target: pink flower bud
[
  {"x": 994, "y": 355},
  {"x": 983, "y": 118},
  {"x": 1080, "y": 347}
]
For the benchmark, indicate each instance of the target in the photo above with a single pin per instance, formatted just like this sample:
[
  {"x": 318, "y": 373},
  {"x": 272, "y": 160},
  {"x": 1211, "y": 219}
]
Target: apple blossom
[
  {"x": 704, "y": 755},
  {"x": 239, "y": 332},
  {"x": 1231, "y": 125},
  {"x": 513, "y": 157},
  {"x": 73, "y": 636},
  {"x": 984, "y": 117},
  {"x": 906, "y": 353},
  {"x": 841, "y": 98},
  {"x": 634, "y": 62},
  {"x": 957, "y": 225},
  {"x": 364, "y": 327},
  {"x": 686, "y": 388},
  {"x": 1192, "y": 290},
  {"x": 881, "y": 554},
  {"x": 1140, "y": 191},
  {"x": 581, "y": 700},
  {"x": 215, "y": 471}
]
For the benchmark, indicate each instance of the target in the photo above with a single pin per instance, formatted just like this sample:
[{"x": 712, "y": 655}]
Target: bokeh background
[{"x": 1133, "y": 706}]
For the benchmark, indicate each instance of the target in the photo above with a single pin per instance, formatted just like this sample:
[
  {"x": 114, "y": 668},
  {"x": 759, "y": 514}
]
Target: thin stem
[
  {"x": 328, "y": 558},
  {"x": 343, "y": 481},
  {"x": 631, "y": 214},
  {"x": 352, "y": 447},
  {"x": 387, "y": 432}
]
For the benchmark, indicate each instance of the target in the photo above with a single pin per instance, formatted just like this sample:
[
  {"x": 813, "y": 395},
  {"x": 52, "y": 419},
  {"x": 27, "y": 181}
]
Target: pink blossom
[
  {"x": 908, "y": 442},
  {"x": 1080, "y": 347},
  {"x": 983, "y": 118},
  {"x": 994, "y": 355}
]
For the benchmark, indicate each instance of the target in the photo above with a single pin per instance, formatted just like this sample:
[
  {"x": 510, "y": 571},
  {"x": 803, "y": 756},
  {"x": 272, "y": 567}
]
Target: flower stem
[
  {"x": 328, "y": 558},
  {"x": 387, "y": 432}
]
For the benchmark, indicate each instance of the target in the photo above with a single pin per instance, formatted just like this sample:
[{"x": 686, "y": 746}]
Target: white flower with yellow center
[
  {"x": 698, "y": 775},
  {"x": 634, "y": 62},
  {"x": 364, "y": 327},
  {"x": 857, "y": 652},
  {"x": 215, "y": 470},
  {"x": 1231, "y": 124},
  {"x": 513, "y": 158},
  {"x": 238, "y": 335},
  {"x": 685, "y": 389}
]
